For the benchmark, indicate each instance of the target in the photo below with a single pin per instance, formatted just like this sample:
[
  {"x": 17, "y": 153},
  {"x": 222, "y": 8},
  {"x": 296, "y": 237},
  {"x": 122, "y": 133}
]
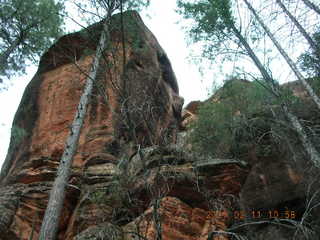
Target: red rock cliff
[
  {"x": 132, "y": 176},
  {"x": 148, "y": 114},
  {"x": 128, "y": 178}
]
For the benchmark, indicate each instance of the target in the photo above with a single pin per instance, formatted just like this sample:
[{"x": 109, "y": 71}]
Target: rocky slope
[{"x": 133, "y": 176}]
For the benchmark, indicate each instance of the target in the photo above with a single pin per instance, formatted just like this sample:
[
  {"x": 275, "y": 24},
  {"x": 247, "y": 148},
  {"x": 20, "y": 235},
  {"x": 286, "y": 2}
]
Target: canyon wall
[{"x": 133, "y": 176}]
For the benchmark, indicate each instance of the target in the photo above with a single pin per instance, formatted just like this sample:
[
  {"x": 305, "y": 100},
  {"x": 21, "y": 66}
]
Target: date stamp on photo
[{"x": 254, "y": 214}]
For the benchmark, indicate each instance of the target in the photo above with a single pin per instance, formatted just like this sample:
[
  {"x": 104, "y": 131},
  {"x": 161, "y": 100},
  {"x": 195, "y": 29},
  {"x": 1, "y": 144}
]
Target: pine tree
[
  {"x": 292, "y": 65},
  {"x": 27, "y": 29},
  {"x": 214, "y": 21}
]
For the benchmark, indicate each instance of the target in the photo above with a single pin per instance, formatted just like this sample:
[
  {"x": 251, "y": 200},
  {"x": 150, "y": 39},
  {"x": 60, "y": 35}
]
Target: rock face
[
  {"x": 135, "y": 101},
  {"x": 129, "y": 180},
  {"x": 50, "y": 100},
  {"x": 133, "y": 176},
  {"x": 280, "y": 182}
]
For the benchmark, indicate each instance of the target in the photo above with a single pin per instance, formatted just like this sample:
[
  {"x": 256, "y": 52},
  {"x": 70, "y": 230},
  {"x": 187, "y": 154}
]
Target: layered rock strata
[
  {"x": 136, "y": 101},
  {"x": 123, "y": 176},
  {"x": 133, "y": 176}
]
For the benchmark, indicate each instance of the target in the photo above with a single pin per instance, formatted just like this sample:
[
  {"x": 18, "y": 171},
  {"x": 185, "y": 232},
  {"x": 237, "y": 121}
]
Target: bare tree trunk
[
  {"x": 157, "y": 218},
  {"x": 50, "y": 221},
  {"x": 312, "y": 6},
  {"x": 313, "y": 153},
  {"x": 312, "y": 43},
  {"x": 274, "y": 88},
  {"x": 292, "y": 65},
  {"x": 307, "y": 144}
]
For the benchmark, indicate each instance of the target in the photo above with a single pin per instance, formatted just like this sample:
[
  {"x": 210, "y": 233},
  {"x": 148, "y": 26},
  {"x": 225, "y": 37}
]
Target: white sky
[
  {"x": 193, "y": 86},
  {"x": 162, "y": 22}
]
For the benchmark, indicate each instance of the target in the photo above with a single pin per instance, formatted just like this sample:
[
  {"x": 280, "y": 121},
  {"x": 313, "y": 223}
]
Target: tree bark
[
  {"x": 312, "y": 43},
  {"x": 312, "y": 6},
  {"x": 313, "y": 153},
  {"x": 50, "y": 221},
  {"x": 253, "y": 56},
  {"x": 307, "y": 144},
  {"x": 307, "y": 86}
]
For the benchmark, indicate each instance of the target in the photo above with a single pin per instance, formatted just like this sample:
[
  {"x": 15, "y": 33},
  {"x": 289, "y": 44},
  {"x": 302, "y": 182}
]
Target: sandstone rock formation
[
  {"x": 280, "y": 184},
  {"x": 101, "y": 194},
  {"x": 47, "y": 108},
  {"x": 133, "y": 176}
]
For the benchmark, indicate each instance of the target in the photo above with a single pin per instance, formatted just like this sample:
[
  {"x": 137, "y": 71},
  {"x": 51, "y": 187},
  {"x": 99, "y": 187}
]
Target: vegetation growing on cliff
[
  {"x": 49, "y": 227},
  {"x": 260, "y": 118},
  {"x": 232, "y": 113},
  {"x": 215, "y": 22},
  {"x": 310, "y": 61},
  {"x": 223, "y": 28}
]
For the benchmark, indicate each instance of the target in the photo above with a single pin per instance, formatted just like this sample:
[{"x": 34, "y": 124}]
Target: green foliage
[
  {"x": 310, "y": 60},
  {"x": 210, "y": 16},
  {"x": 136, "y": 4},
  {"x": 315, "y": 83},
  {"x": 96, "y": 10},
  {"x": 116, "y": 194},
  {"x": 28, "y": 28},
  {"x": 212, "y": 21},
  {"x": 115, "y": 4},
  {"x": 98, "y": 196},
  {"x": 232, "y": 120}
]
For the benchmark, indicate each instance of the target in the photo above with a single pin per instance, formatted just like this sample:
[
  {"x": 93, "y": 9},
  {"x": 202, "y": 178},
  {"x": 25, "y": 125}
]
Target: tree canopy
[
  {"x": 27, "y": 28},
  {"x": 310, "y": 60},
  {"x": 212, "y": 13},
  {"x": 212, "y": 21}
]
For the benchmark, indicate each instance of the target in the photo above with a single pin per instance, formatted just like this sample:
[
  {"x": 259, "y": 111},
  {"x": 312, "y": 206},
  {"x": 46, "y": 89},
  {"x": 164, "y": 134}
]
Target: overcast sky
[{"x": 162, "y": 22}]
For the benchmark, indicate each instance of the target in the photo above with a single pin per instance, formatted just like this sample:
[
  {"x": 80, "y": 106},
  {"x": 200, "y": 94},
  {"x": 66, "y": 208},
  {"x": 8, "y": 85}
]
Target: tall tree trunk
[
  {"x": 312, "y": 43},
  {"x": 312, "y": 6},
  {"x": 307, "y": 144},
  {"x": 313, "y": 153},
  {"x": 274, "y": 87},
  {"x": 307, "y": 86},
  {"x": 50, "y": 221}
]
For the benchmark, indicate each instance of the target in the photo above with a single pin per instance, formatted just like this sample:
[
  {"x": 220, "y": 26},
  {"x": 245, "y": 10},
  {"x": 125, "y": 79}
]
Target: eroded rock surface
[
  {"x": 135, "y": 175},
  {"x": 128, "y": 168},
  {"x": 140, "y": 97}
]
